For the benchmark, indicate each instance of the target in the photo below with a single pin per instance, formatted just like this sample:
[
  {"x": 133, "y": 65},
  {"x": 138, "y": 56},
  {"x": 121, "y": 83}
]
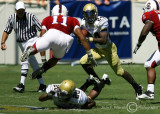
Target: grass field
[{"x": 118, "y": 98}]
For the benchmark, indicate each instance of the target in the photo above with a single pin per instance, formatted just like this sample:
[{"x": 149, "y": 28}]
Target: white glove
[
  {"x": 137, "y": 47},
  {"x": 91, "y": 60}
]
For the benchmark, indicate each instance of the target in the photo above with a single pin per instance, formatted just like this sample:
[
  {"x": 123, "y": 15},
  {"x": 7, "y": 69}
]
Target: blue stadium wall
[{"x": 119, "y": 18}]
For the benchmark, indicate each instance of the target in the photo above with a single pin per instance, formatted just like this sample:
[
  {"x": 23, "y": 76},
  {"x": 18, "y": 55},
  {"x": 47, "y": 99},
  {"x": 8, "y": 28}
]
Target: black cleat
[
  {"x": 42, "y": 88},
  {"x": 106, "y": 79},
  {"x": 20, "y": 88},
  {"x": 36, "y": 73},
  {"x": 138, "y": 91},
  {"x": 93, "y": 80}
]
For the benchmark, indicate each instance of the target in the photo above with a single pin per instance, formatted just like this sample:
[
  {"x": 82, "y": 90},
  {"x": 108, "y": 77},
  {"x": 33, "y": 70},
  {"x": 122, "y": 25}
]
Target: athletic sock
[
  {"x": 150, "y": 87},
  {"x": 23, "y": 78},
  {"x": 40, "y": 80}
]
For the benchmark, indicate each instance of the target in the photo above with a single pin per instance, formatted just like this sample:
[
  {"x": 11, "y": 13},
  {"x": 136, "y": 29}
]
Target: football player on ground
[
  {"x": 152, "y": 24},
  {"x": 97, "y": 27},
  {"x": 67, "y": 96},
  {"x": 56, "y": 30}
]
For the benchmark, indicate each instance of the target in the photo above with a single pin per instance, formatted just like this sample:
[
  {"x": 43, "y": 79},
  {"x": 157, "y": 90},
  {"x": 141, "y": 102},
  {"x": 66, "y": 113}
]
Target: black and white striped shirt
[{"x": 25, "y": 28}]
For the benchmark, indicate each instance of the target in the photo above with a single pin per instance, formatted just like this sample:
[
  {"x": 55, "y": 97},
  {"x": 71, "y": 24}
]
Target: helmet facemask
[
  {"x": 90, "y": 16},
  {"x": 63, "y": 95}
]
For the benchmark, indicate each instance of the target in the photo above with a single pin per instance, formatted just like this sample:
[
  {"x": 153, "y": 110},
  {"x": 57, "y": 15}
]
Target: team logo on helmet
[{"x": 59, "y": 10}]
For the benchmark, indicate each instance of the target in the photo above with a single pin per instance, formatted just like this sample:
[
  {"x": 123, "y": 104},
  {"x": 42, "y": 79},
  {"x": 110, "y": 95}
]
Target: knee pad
[
  {"x": 24, "y": 65},
  {"x": 24, "y": 72}
]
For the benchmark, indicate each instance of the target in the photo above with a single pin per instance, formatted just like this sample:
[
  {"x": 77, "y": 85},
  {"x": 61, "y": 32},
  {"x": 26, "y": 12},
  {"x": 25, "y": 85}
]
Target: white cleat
[
  {"x": 93, "y": 79},
  {"x": 26, "y": 54},
  {"x": 106, "y": 79},
  {"x": 148, "y": 95}
]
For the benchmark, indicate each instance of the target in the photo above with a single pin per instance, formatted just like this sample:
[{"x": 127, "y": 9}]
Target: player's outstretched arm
[
  {"x": 82, "y": 39},
  {"x": 147, "y": 27},
  {"x": 45, "y": 97}
]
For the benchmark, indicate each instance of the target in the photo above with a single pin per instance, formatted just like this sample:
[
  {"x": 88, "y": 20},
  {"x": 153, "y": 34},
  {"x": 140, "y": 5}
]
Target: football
[{"x": 84, "y": 32}]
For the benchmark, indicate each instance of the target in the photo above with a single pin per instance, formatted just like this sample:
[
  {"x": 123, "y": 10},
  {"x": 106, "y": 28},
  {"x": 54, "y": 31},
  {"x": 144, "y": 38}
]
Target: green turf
[{"x": 112, "y": 100}]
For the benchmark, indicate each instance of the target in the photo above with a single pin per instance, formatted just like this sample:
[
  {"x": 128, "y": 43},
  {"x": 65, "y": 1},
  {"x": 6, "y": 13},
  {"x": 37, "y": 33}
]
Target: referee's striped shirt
[{"x": 25, "y": 28}]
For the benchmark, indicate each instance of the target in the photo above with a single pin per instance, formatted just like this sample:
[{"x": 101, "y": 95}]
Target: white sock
[
  {"x": 40, "y": 80},
  {"x": 23, "y": 78},
  {"x": 150, "y": 87}
]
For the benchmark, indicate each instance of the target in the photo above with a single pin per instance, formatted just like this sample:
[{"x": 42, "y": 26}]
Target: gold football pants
[{"x": 110, "y": 54}]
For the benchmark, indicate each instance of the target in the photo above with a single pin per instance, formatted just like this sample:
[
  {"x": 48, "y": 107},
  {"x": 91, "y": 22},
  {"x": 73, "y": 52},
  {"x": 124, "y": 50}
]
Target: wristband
[{"x": 91, "y": 39}]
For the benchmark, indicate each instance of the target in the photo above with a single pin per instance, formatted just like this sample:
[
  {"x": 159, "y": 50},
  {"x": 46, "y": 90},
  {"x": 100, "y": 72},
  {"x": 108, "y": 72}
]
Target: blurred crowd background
[{"x": 43, "y": 3}]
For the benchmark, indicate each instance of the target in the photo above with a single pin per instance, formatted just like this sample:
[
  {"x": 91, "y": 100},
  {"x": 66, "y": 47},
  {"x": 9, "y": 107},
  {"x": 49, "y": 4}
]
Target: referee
[{"x": 25, "y": 26}]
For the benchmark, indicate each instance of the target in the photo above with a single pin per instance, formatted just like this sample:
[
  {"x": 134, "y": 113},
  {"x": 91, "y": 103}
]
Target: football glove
[
  {"x": 137, "y": 47},
  {"x": 91, "y": 60}
]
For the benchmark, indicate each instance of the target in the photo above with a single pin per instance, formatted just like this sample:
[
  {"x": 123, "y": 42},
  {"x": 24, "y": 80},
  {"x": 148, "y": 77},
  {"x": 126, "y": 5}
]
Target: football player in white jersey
[
  {"x": 67, "y": 96},
  {"x": 97, "y": 27}
]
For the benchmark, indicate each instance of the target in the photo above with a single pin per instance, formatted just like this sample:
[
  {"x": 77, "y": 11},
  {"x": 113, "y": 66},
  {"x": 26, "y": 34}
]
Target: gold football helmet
[
  {"x": 90, "y": 13},
  {"x": 66, "y": 89}
]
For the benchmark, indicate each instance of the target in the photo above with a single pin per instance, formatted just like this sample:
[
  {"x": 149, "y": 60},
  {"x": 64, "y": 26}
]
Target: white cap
[{"x": 20, "y": 5}]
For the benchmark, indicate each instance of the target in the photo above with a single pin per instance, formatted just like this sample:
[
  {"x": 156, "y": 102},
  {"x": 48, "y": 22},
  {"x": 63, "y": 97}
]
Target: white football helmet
[
  {"x": 59, "y": 10},
  {"x": 151, "y": 5}
]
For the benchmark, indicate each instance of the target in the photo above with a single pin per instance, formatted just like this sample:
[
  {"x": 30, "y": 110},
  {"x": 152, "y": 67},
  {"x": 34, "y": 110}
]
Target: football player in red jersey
[
  {"x": 56, "y": 30},
  {"x": 152, "y": 24}
]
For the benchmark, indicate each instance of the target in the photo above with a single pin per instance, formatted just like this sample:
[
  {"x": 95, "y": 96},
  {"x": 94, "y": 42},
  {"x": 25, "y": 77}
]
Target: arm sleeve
[
  {"x": 76, "y": 23},
  {"x": 146, "y": 17},
  {"x": 9, "y": 25},
  {"x": 52, "y": 87},
  {"x": 44, "y": 23},
  {"x": 37, "y": 23}
]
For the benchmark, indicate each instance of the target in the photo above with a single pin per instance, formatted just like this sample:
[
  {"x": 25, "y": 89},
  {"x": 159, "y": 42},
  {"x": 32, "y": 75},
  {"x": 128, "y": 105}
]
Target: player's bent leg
[
  {"x": 47, "y": 65},
  {"x": 151, "y": 75},
  {"x": 89, "y": 69},
  {"x": 97, "y": 89},
  {"x": 138, "y": 88},
  {"x": 150, "y": 66},
  {"x": 34, "y": 64}
]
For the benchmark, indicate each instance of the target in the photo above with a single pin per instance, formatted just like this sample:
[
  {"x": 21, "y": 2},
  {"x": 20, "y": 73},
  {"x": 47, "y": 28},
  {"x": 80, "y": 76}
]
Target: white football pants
[
  {"x": 57, "y": 40},
  {"x": 154, "y": 60}
]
